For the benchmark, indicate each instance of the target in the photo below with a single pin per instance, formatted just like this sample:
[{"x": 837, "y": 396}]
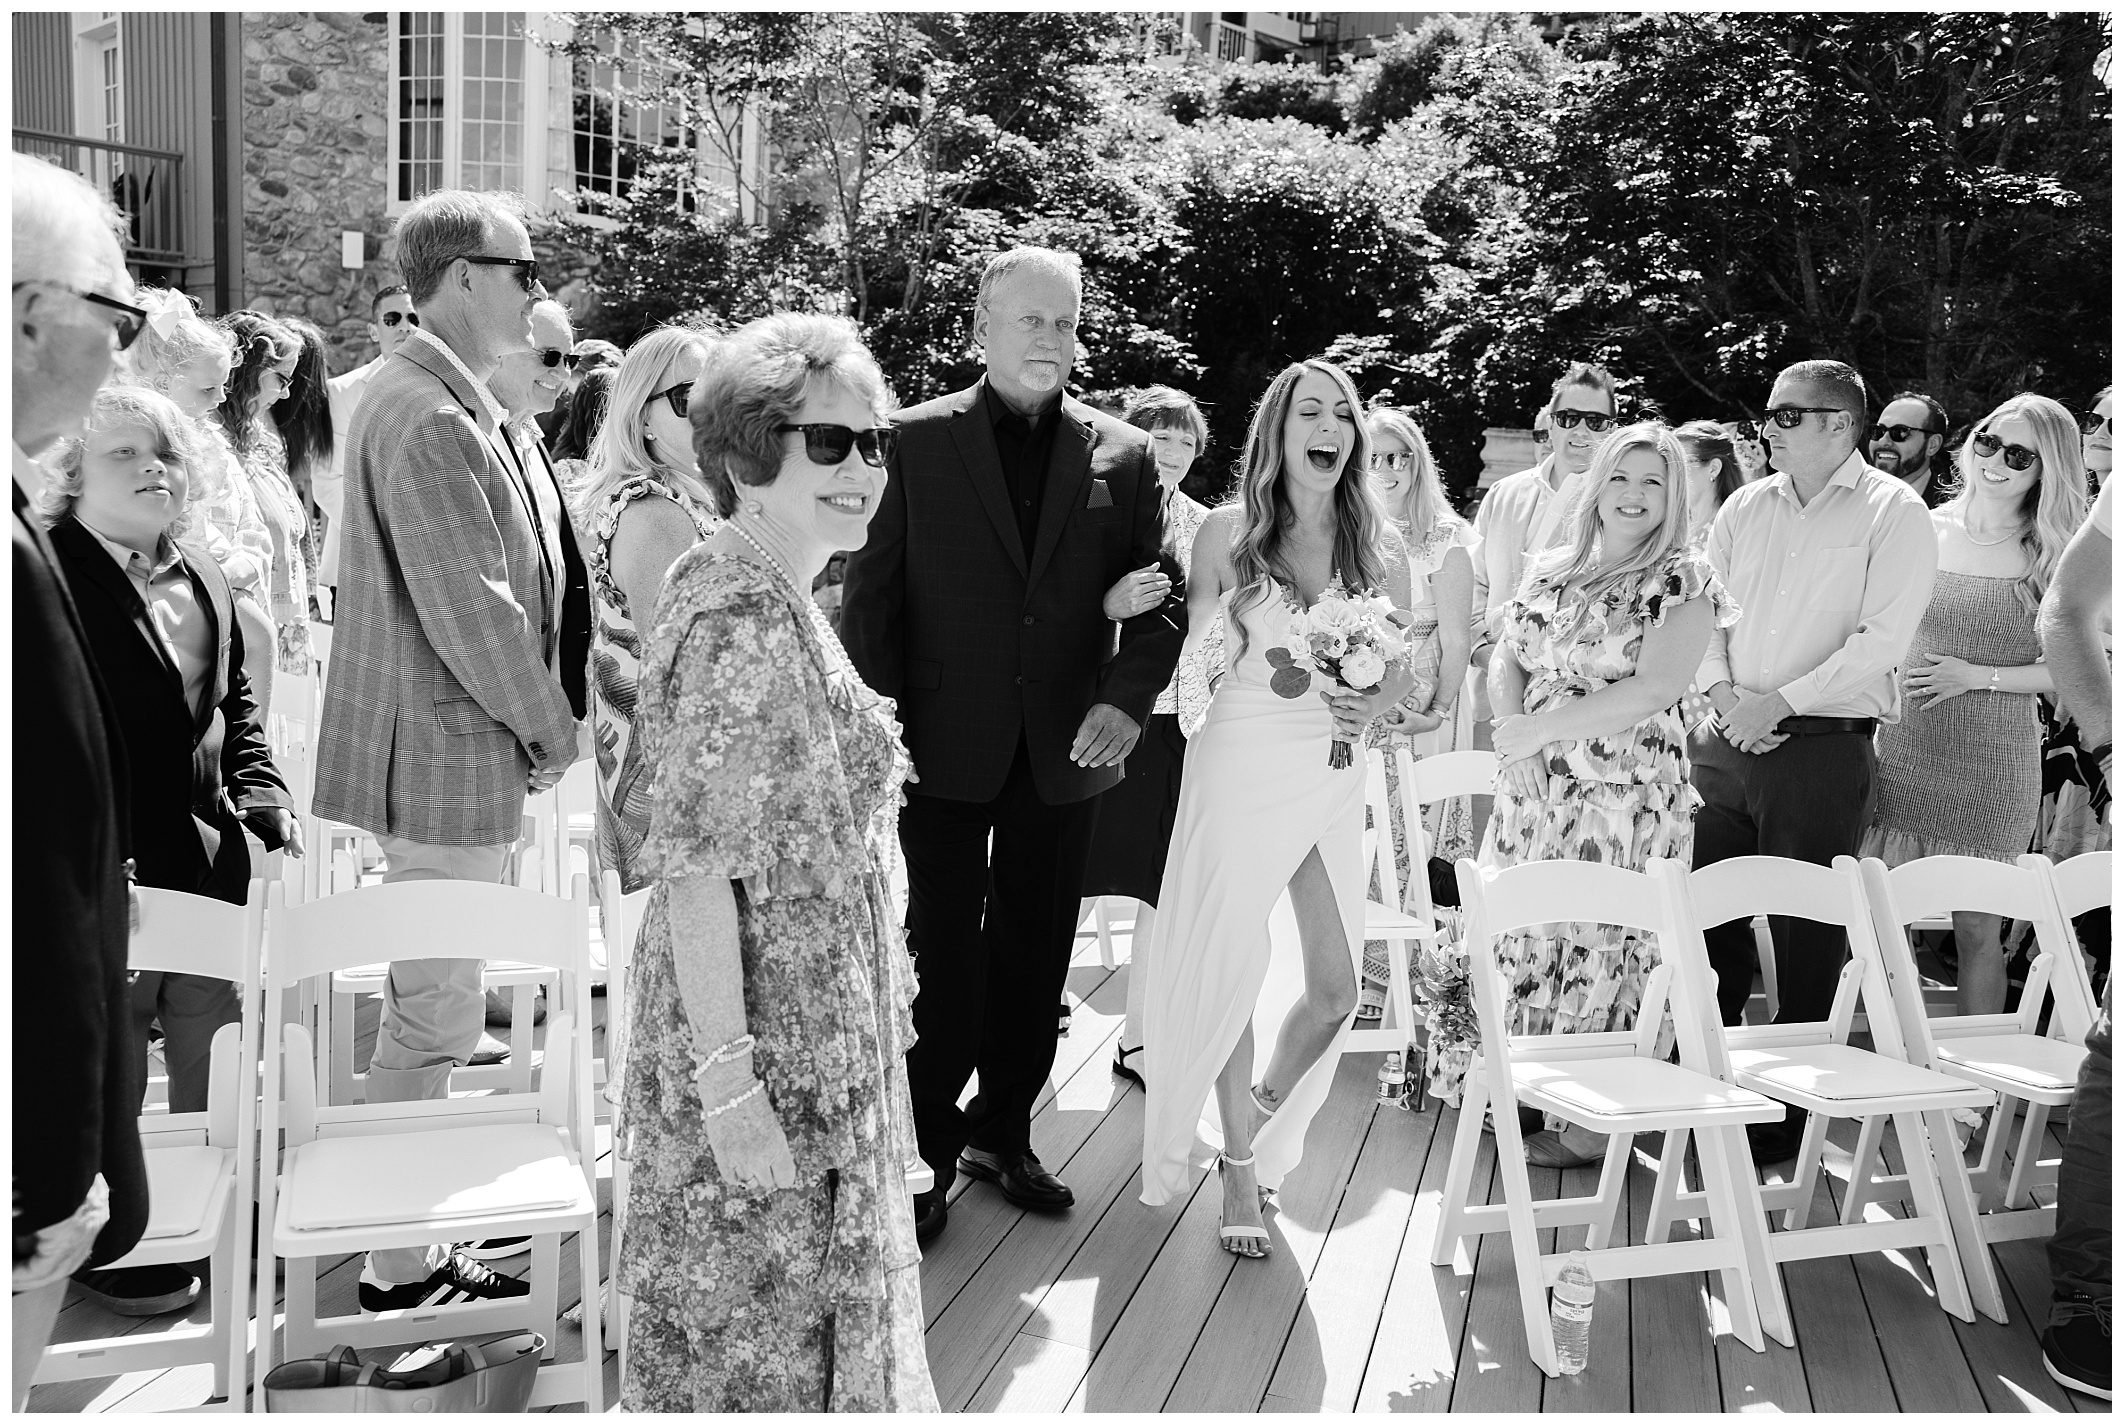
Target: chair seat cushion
[
  {"x": 1838, "y": 1071},
  {"x": 372, "y": 1180},
  {"x": 181, "y": 1185},
  {"x": 1630, "y": 1086},
  {"x": 2051, "y": 1065}
]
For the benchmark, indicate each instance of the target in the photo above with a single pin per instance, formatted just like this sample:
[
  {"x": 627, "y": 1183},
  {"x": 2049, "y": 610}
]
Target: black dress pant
[
  {"x": 993, "y": 889},
  {"x": 1811, "y": 799}
]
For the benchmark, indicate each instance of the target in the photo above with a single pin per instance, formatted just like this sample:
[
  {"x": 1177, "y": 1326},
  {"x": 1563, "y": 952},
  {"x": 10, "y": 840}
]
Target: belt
[{"x": 1797, "y": 726}]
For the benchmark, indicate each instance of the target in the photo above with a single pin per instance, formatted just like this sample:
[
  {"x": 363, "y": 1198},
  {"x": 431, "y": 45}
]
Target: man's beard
[{"x": 1903, "y": 468}]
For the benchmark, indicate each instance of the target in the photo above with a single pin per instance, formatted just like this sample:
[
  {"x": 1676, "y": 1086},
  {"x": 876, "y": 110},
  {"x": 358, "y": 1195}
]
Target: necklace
[
  {"x": 833, "y": 658},
  {"x": 1986, "y": 543}
]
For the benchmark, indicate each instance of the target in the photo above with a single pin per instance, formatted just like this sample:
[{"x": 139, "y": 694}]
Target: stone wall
[{"x": 316, "y": 90}]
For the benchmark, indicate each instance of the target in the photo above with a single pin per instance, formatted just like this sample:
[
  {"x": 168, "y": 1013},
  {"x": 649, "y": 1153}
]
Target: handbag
[{"x": 494, "y": 1379}]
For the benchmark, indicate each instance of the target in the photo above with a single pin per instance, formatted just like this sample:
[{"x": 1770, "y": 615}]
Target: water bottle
[{"x": 1571, "y": 1313}]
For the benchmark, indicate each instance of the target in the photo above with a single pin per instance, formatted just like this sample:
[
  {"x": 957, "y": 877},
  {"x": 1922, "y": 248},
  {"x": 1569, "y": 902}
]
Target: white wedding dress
[{"x": 1256, "y": 797}]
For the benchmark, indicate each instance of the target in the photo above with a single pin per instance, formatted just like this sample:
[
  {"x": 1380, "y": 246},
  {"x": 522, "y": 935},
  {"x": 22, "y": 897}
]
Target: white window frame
[
  {"x": 535, "y": 120},
  {"x": 96, "y": 34}
]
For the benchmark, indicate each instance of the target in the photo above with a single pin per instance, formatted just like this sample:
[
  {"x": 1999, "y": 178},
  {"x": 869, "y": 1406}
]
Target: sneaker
[
  {"x": 495, "y": 1249},
  {"x": 140, "y": 1291},
  {"x": 2076, "y": 1347},
  {"x": 460, "y": 1279}
]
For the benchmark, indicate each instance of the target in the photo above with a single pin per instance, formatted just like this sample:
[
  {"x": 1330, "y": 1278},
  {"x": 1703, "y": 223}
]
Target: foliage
[
  {"x": 1257, "y": 90},
  {"x": 1412, "y": 68}
]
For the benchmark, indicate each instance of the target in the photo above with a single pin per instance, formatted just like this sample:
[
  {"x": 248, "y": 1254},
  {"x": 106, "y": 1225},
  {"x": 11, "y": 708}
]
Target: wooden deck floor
[{"x": 1113, "y": 1306}]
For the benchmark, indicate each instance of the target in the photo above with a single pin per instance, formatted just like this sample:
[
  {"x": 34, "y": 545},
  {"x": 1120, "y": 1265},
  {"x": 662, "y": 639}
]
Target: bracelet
[
  {"x": 723, "y": 1108},
  {"x": 737, "y": 1048},
  {"x": 1993, "y": 685}
]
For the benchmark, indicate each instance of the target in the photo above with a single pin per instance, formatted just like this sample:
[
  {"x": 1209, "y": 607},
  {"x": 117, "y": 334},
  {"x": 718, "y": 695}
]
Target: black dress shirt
[{"x": 1024, "y": 446}]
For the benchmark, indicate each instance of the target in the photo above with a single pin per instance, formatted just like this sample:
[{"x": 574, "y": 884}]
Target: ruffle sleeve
[{"x": 1687, "y": 575}]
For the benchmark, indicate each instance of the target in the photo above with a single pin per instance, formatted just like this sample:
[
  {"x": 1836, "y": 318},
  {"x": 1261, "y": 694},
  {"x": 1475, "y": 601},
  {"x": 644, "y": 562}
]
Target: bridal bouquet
[{"x": 1351, "y": 639}]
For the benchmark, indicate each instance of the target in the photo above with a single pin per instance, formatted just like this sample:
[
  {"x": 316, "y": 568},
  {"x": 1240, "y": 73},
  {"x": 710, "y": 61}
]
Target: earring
[{"x": 754, "y": 508}]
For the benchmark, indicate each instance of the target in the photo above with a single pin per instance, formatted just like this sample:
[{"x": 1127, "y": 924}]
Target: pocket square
[{"x": 1101, "y": 497}]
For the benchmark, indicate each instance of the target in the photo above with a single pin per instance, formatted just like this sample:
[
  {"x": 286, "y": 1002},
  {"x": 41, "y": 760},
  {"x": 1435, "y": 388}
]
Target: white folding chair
[
  {"x": 2001, "y": 1052},
  {"x": 200, "y": 1166},
  {"x": 359, "y": 1178},
  {"x": 1612, "y": 1083},
  {"x": 1815, "y": 1067}
]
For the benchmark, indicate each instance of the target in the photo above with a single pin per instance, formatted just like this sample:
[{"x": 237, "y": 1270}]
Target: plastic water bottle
[{"x": 1571, "y": 1313}]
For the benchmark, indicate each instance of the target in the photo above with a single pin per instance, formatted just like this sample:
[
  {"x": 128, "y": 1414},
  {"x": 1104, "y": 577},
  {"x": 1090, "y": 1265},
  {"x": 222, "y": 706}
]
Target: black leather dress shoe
[
  {"x": 1770, "y": 1143},
  {"x": 931, "y": 1212},
  {"x": 1022, "y": 1179}
]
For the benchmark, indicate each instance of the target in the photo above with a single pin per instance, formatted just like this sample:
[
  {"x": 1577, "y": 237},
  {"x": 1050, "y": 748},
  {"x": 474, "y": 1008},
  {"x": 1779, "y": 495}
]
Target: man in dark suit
[
  {"x": 80, "y": 1186},
  {"x": 976, "y": 603}
]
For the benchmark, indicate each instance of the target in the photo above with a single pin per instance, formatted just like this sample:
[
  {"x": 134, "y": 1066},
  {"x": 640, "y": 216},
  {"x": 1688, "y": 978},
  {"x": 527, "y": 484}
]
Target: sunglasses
[
  {"x": 676, "y": 395},
  {"x": 552, "y": 356},
  {"x": 1784, "y": 417},
  {"x": 1597, "y": 423},
  {"x": 1898, "y": 434},
  {"x": 392, "y": 319},
  {"x": 1394, "y": 460},
  {"x": 829, "y": 444},
  {"x": 127, "y": 324},
  {"x": 2090, "y": 423},
  {"x": 526, "y": 267},
  {"x": 2017, "y": 457}
]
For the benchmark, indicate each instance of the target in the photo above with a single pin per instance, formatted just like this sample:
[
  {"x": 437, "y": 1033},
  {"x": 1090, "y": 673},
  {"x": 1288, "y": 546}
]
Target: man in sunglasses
[
  {"x": 976, "y": 602},
  {"x": 1909, "y": 441},
  {"x": 80, "y": 1187},
  {"x": 391, "y": 320},
  {"x": 444, "y": 699},
  {"x": 1832, "y": 563}
]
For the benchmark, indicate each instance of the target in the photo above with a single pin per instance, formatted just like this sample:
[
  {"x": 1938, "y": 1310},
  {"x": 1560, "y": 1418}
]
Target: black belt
[{"x": 1797, "y": 726}]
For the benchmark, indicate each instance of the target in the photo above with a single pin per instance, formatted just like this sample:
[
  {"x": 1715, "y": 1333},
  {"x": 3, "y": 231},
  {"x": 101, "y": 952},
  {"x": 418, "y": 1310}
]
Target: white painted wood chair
[
  {"x": 1815, "y": 1067},
  {"x": 357, "y": 1178},
  {"x": 2005, "y": 1053},
  {"x": 201, "y": 1167},
  {"x": 1611, "y": 1083}
]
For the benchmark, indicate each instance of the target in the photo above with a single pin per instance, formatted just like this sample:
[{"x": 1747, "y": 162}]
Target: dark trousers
[
  {"x": 2079, "y": 1248},
  {"x": 191, "y": 1008},
  {"x": 1811, "y": 799},
  {"x": 990, "y": 926}
]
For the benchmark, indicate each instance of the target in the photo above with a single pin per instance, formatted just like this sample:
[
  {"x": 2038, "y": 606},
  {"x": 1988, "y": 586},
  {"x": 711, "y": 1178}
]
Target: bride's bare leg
[
  {"x": 1330, "y": 996},
  {"x": 1235, "y": 1107}
]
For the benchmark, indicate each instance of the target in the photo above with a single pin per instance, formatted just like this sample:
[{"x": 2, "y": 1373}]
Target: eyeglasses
[
  {"x": 127, "y": 324},
  {"x": 1596, "y": 422},
  {"x": 552, "y": 356},
  {"x": 1785, "y": 417},
  {"x": 526, "y": 267},
  {"x": 1898, "y": 434},
  {"x": 392, "y": 319},
  {"x": 676, "y": 395},
  {"x": 2017, "y": 457},
  {"x": 1394, "y": 460},
  {"x": 2092, "y": 422},
  {"x": 829, "y": 444}
]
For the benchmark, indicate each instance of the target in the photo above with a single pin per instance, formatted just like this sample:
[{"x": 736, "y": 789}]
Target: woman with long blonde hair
[
  {"x": 1261, "y": 810},
  {"x": 1961, "y": 771}
]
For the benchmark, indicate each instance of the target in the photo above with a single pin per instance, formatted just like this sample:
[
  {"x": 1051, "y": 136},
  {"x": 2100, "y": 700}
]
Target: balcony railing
[
  {"x": 1231, "y": 43},
  {"x": 147, "y": 184}
]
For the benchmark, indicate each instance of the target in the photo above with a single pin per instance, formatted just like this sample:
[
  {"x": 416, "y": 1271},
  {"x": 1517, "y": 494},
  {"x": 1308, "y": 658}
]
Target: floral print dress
[
  {"x": 1625, "y": 799},
  {"x": 773, "y": 766}
]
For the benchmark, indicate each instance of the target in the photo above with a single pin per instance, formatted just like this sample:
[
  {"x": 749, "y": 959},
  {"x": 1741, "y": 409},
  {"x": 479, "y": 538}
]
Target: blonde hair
[
  {"x": 619, "y": 452},
  {"x": 1257, "y": 552},
  {"x": 175, "y": 334},
  {"x": 1576, "y": 564},
  {"x": 2057, "y": 502},
  {"x": 1425, "y": 506},
  {"x": 116, "y": 406}
]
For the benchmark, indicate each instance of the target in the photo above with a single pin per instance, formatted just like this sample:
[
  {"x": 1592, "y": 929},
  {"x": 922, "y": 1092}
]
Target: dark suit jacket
[
  {"x": 77, "y": 1097},
  {"x": 575, "y": 588},
  {"x": 981, "y": 642},
  {"x": 194, "y": 771}
]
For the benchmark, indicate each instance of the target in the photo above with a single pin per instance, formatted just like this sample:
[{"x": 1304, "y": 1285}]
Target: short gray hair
[
  {"x": 756, "y": 379},
  {"x": 559, "y": 309},
  {"x": 62, "y": 226},
  {"x": 444, "y": 226},
  {"x": 113, "y": 406},
  {"x": 1835, "y": 384},
  {"x": 1051, "y": 261}
]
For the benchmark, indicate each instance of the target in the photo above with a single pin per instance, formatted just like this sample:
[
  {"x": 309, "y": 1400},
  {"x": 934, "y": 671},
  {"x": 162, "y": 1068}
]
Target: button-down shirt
[
  {"x": 1024, "y": 445},
  {"x": 1830, "y": 592},
  {"x": 177, "y": 626},
  {"x": 1510, "y": 518},
  {"x": 547, "y": 512}
]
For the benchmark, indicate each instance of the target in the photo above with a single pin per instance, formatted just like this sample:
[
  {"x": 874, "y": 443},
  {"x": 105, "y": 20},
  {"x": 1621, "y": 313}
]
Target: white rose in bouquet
[{"x": 1362, "y": 669}]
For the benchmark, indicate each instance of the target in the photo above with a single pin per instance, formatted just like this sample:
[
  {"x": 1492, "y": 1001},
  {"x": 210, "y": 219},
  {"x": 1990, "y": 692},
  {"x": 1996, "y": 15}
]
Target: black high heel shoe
[{"x": 1122, "y": 1070}]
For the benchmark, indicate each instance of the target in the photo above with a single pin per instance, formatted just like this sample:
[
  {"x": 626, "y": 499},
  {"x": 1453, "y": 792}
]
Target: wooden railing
[
  {"x": 147, "y": 184},
  {"x": 1231, "y": 42}
]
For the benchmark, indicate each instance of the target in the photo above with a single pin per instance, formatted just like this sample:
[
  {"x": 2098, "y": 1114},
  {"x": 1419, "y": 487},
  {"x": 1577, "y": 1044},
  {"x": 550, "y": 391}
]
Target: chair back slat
[
  {"x": 2083, "y": 883},
  {"x": 1450, "y": 774},
  {"x": 193, "y": 935},
  {"x": 1546, "y": 892},
  {"x": 1935, "y": 884},
  {"x": 418, "y": 920},
  {"x": 1747, "y": 886}
]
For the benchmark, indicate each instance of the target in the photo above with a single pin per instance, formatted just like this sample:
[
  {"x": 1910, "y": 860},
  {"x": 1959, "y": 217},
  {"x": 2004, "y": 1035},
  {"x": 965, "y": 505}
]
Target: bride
[{"x": 1260, "y": 810}]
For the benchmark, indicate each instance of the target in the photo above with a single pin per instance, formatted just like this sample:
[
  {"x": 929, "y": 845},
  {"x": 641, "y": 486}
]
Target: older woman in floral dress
[{"x": 770, "y": 1246}]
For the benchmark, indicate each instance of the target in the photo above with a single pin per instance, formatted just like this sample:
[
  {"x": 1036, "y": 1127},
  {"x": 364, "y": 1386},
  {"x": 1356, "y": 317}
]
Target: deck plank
[{"x": 1494, "y": 1370}]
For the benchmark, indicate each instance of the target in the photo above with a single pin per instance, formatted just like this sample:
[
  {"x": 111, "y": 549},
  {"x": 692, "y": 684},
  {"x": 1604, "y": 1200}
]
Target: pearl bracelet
[
  {"x": 737, "y": 1048},
  {"x": 723, "y": 1108}
]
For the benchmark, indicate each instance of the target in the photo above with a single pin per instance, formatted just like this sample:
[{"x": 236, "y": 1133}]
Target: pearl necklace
[
  {"x": 1986, "y": 543},
  {"x": 829, "y": 648}
]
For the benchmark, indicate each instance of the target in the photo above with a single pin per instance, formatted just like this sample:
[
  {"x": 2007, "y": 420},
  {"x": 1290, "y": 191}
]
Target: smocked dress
[
  {"x": 768, "y": 756},
  {"x": 1625, "y": 797}
]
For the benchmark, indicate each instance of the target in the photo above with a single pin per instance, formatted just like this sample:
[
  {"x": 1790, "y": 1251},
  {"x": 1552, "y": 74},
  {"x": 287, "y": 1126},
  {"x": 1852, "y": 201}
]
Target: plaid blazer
[{"x": 440, "y": 698}]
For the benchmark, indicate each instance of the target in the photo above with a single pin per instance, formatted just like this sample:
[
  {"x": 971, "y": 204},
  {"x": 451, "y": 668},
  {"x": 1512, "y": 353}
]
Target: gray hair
[
  {"x": 756, "y": 379},
  {"x": 64, "y": 230},
  {"x": 1051, "y": 261},
  {"x": 114, "y": 406},
  {"x": 444, "y": 226}
]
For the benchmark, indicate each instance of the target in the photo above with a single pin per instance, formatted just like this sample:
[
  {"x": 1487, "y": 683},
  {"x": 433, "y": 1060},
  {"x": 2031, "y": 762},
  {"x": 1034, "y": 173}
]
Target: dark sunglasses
[
  {"x": 128, "y": 323},
  {"x": 2090, "y": 423},
  {"x": 552, "y": 356},
  {"x": 676, "y": 395},
  {"x": 1597, "y": 423},
  {"x": 392, "y": 319},
  {"x": 830, "y": 444},
  {"x": 2017, "y": 457},
  {"x": 1898, "y": 434},
  {"x": 526, "y": 267},
  {"x": 1394, "y": 460},
  {"x": 1785, "y": 417}
]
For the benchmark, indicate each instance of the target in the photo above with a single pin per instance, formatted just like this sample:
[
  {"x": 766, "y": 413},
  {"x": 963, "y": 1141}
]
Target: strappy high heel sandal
[
  {"x": 1266, "y": 1107},
  {"x": 1241, "y": 1240},
  {"x": 1123, "y": 1069}
]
